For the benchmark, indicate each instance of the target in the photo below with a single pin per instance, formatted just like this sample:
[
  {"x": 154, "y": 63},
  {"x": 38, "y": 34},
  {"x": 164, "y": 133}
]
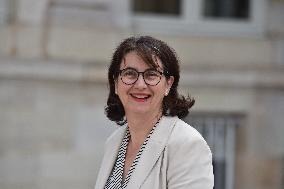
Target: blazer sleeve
[{"x": 189, "y": 160}]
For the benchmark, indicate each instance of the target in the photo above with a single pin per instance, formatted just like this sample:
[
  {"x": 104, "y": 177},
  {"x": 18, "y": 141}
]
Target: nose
[{"x": 140, "y": 83}]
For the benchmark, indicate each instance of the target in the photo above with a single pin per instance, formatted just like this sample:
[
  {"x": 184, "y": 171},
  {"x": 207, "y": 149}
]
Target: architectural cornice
[{"x": 265, "y": 76}]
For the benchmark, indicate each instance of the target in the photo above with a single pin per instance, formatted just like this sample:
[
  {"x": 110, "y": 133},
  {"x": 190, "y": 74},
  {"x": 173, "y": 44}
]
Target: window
[
  {"x": 170, "y": 7},
  {"x": 200, "y": 17},
  {"x": 234, "y": 9},
  {"x": 219, "y": 130}
]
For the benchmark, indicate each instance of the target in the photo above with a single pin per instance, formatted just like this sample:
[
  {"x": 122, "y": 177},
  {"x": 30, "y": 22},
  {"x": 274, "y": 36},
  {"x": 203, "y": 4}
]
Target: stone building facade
[{"x": 53, "y": 62}]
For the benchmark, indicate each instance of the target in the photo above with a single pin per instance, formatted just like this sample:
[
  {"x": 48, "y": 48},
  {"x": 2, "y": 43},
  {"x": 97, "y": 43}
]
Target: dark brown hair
[{"x": 148, "y": 48}]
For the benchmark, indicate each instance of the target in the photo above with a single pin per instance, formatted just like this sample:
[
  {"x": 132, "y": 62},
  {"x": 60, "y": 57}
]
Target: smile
[{"x": 140, "y": 97}]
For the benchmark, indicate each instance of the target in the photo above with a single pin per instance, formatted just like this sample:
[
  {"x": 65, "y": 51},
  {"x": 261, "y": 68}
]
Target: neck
[{"x": 140, "y": 126}]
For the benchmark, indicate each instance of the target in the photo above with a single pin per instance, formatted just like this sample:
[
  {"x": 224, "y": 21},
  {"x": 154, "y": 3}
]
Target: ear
[{"x": 170, "y": 82}]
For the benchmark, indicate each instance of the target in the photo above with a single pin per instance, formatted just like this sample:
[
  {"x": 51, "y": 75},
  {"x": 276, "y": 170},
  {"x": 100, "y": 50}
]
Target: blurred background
[{"x": 54, "y": 56}]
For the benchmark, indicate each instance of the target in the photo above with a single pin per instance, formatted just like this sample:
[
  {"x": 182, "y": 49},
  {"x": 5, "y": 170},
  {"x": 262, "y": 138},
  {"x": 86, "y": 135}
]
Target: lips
[{"x": 140, "y": 97}]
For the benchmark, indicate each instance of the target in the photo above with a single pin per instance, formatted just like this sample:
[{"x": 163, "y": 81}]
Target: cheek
[
  {"x": 160, "y": 93},
  {"x": 122, "y": 89}
]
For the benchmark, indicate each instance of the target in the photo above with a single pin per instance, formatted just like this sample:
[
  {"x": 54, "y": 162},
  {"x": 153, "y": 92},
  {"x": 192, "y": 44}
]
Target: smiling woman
[
  {"x": 154, "y": 148},
  {"x": 147, "y": 53}
]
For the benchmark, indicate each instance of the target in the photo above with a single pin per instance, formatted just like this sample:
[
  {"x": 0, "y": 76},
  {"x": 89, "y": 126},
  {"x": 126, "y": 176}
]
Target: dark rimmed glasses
[{"x": 151, "y": 76}]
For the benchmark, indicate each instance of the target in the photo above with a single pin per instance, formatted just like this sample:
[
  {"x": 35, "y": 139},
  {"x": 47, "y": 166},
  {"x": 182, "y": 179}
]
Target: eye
[
  {"x": 152, "y": 74},
  {"x": 129, "y": 73}
]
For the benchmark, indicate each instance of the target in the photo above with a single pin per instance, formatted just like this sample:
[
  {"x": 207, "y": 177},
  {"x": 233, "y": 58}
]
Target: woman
[{"x": 153, "y": 148}]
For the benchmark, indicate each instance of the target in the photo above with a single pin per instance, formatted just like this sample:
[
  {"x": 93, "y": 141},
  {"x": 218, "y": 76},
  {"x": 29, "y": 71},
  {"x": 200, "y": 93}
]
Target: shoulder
[
  {"x": 186, "y": 139},
  {"x": 183, "y": 132},
  {"x": 189, "y": 158},
  {"x": 118, "y": 134}
]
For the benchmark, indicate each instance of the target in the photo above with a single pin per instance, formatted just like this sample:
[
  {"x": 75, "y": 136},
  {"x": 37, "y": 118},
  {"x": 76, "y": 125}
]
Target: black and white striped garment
[{"x": 115, "y": 180}]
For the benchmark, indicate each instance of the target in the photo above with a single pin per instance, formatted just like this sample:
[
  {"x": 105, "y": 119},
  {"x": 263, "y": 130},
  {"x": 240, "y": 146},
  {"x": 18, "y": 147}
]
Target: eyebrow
[{"x": 137, "y": 69}]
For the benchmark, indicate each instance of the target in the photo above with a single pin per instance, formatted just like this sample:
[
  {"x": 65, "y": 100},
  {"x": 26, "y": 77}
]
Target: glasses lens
[
  {"x": 152, "y": 77},
  {"x": 129, "y": 76}
]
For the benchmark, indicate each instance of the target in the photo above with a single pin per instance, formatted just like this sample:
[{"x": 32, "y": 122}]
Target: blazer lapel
[
  {"x": 152, "y": 152},
  {"x": 112, "y": 148}
]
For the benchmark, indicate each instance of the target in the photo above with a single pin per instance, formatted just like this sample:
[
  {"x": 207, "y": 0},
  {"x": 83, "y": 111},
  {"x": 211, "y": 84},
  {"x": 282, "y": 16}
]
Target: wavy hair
[{"x": 149, "y": 49}]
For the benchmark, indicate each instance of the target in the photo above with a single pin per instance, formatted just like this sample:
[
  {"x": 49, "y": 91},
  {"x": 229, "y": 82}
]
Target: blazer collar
[
  {"x": 149, "y": 157},
  {"x": 110, "y": 155},
  {"x": 152, "y": 152}
]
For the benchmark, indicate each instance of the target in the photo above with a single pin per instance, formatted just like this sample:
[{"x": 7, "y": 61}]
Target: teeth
[{"x": 140, "y": 96}]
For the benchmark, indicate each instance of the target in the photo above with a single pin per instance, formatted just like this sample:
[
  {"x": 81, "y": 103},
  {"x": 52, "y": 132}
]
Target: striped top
[{"x": 115, "y": 180}]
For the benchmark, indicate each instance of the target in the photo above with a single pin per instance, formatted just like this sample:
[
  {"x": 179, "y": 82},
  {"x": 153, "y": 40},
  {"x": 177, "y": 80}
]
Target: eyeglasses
[{"x": 151, "y": 76}]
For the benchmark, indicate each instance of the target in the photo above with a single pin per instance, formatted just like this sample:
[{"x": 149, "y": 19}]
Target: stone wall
[{"x": 52, "y": 133}]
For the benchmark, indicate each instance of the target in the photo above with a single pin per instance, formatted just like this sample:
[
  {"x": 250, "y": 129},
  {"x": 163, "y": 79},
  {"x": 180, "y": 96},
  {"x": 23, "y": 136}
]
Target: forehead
[{"x": 132, "y": 59}]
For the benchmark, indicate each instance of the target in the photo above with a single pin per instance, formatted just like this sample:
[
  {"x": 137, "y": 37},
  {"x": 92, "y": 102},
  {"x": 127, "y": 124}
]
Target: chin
[{"x": 139, "y": 110}]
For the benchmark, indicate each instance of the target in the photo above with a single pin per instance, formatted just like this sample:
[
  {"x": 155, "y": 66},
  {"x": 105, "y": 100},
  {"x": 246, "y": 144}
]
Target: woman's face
[{"x": 140, "y": 97}]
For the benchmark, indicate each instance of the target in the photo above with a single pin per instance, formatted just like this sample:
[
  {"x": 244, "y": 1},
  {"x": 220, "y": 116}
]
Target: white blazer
[{"x": 176, "y": 157}]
